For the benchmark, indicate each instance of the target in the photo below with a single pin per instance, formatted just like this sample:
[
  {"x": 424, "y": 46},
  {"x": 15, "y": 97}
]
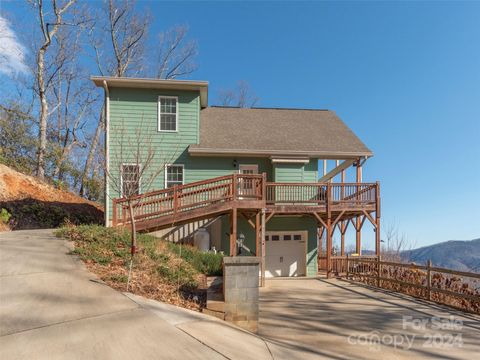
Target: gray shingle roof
[{"x": 270, "y": 132}]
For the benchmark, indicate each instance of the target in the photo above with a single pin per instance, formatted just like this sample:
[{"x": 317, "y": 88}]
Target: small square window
[
  {"x": 275, "y": 237},
  {"x": 173, "y": 175},
  {"x": 167, "y": 114},
  {"x": 287, "y": 237},
  {"x": 297, "y": 237},
  {"x": 267, "y": 238}
]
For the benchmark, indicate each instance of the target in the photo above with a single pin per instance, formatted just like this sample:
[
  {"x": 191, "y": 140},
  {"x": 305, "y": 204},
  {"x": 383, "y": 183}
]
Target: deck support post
[
  {"x": 233, "y": 232},
  {"x": 262, "y": 235},
  {"x": 358, "y": 228},
  {"x": 377, "y": 219},
  {"x": 258, "y": 233},
  {"x": 342, "y": 241},
  {"x": 329, "y": 232}
]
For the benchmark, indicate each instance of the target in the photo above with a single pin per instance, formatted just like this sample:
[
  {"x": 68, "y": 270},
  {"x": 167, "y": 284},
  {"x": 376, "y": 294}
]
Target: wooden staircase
[{"x": 183, "y": 204}]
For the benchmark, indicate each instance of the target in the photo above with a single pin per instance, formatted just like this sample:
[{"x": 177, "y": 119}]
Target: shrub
[
  {"x": 5, "y": 216},
  {"x": 204, "y": 262}
]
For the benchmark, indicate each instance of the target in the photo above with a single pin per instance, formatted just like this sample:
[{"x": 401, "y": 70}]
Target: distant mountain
[{"x": 453, "y": 254}]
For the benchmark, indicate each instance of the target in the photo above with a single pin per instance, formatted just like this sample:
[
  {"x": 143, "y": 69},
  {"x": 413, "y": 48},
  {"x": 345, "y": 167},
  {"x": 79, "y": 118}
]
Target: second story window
[
  {"x": 130, "y": 180},
  {"x": 167, "y": 113},
  {"x": 173, "y": 175}
]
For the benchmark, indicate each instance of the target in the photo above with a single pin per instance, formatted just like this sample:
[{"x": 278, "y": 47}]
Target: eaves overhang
[{"x": 146, "y": 83}]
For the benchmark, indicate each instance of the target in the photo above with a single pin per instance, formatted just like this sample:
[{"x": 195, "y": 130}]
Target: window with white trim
[
  {"x": 167, "y": 113},
  {"x": 130, "y": 179},
  {"x": 173, "y": 175}
]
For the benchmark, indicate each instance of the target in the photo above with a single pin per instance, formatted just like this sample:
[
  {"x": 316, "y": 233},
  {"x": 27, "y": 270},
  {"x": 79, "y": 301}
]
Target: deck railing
[
  {"x": 319, "y": 193},
  {"x": 458, "y": 289},
  {"x": 242, "y": 187},
  {"x": 182, "y": 198}
]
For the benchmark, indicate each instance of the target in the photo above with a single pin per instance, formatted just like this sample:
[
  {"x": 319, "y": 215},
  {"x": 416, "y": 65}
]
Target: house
[{"x": 249, "y": 175}]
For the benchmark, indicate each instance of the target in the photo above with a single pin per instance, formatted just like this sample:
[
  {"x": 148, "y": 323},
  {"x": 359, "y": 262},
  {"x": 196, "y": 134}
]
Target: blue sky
[{"x": 405, "y": 76}]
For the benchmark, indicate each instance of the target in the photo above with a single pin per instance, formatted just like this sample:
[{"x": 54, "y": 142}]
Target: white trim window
[
  {"x": 168, "y": 113},
  {"x": 174, "y": 175},
  {"x": 130, "y": 179}
]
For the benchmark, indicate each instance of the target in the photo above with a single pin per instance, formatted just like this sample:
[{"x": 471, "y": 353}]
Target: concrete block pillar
[{"x": 240, "y": 290}]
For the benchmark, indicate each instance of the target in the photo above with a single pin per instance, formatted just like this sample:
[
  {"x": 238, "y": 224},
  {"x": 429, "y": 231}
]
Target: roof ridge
[{"x": 267, "y": 108}]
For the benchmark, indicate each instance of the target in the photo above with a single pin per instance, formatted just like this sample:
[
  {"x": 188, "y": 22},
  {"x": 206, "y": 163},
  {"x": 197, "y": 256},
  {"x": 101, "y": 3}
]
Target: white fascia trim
[
  {"x": 270, "y": 153},
  {"x": 290, "y": 161}
]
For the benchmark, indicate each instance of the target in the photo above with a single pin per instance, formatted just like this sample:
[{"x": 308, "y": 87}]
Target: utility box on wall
[{"x": 241, "y": 293}]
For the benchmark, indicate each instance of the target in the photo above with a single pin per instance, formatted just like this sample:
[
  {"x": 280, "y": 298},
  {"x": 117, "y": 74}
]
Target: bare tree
[
  {"x": 241, "y": 96},
  {"x": 118, "y": 51},
  {"x": 395, "y": 243},
  {"x": 49, "y": 30},
  {"x": 133, "y": 168},
  {"x": 120, "y": 46},
  {"x": 176, "y": 55}
]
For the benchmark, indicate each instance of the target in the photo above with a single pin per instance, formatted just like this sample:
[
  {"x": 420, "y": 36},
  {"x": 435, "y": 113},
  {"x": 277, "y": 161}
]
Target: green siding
[{"x": 296, "y": 172}]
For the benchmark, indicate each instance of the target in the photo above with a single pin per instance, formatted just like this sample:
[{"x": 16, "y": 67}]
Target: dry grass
[{"x": 159, "y": 269}]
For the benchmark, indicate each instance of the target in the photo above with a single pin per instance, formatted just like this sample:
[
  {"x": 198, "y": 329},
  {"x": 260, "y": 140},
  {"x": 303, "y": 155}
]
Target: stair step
[
  {"x": 218, "y": 314},
  {"x": 216, "y": 305}
]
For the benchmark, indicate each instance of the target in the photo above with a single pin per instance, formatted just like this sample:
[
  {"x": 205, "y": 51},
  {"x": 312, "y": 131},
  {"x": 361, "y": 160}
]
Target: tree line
[{"x": 51, "y": 121}]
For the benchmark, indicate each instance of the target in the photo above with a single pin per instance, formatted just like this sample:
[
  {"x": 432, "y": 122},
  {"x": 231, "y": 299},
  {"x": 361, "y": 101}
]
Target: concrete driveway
[
  {"x": 339, "y": 320},
  {"x": 52, "y": 308}
]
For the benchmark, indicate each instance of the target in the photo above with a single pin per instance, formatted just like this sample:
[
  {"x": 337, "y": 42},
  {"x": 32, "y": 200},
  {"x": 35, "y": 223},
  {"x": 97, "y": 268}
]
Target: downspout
[{"x": 107, "y": 153}]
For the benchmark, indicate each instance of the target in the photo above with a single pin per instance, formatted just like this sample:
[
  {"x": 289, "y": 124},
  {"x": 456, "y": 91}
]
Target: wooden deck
[
  {"x": 199, "y": 200},
  {"x": 333, "y": 205}
]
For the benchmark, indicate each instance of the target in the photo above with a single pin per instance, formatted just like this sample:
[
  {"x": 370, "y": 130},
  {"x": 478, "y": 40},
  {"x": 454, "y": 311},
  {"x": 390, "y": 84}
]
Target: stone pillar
[{"x": 240, "y": 289}]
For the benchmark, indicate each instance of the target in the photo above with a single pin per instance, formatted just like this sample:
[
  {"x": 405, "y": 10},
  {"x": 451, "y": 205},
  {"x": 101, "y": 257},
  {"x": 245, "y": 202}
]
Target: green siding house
[{"x": 167, "y": 127}]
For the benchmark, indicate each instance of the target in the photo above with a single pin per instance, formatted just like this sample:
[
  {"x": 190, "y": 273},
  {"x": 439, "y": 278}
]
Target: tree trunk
[
  {"x": 91, "y": 153},
  {"x": 42, "y": 126},
  {"x": 133, "y": 229}
]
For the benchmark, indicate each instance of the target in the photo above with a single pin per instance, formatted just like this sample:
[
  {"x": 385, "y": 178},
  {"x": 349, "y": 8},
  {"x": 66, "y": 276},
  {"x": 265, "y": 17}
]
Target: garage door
[{"x": 285, "y": 253}]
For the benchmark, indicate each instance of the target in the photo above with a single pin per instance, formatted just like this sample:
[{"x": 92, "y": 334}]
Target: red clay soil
[{"x": 35, "y": 204}]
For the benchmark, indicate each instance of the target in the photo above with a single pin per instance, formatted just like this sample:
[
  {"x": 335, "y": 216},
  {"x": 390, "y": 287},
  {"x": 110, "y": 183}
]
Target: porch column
[
  {"x": 262, "y": 264},
  {"x": 258, "y": 233},
  {"x": 358, "y": 247},
  {"x": 342, "y": 243},
  {"x": 233, "y": 232},
  {"x": 329, "y": 233},
  {"x": 342, "y": 223},
  {"x": 377, "y": 219}
]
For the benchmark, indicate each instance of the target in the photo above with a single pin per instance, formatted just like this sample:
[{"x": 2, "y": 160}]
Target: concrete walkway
[
  {"x": 52, "y": 308},
  {"x": 335, "y": 319}
]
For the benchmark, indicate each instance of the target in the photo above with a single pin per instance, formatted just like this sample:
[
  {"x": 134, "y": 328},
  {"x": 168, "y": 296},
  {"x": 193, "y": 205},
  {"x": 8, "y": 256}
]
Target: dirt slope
[{"x": 35, "y": 204}]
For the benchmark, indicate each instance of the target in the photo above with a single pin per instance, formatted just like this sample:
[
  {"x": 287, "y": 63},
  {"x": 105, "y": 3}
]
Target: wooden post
[
  {"x": 377, "y": 220},
  {"x": 257, "y": 234},
  {"x": 233, "y": 232},
  {"x": 114, "y": 212},
  {"x": 342, "y": 239},
  {"x": 379, "y": 264},
  {"x": 358, "y": 247},
  {"x": 263, "y": 248},
  {"x": 264, "y": 186},
  {"x": 235, "y": 186},
  {"x": 429, "y": 280},
  {"x": 329, "y": 232},
  {"x": 175, "y": 199},
  {"x": 348, "y": 266}
]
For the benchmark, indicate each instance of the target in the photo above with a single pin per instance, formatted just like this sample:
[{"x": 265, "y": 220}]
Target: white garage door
[{"x": 285, "y": 253}]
